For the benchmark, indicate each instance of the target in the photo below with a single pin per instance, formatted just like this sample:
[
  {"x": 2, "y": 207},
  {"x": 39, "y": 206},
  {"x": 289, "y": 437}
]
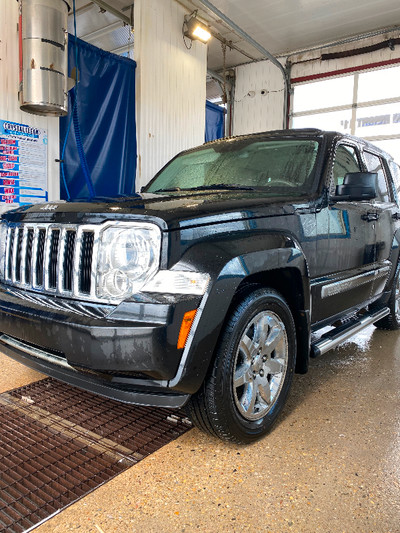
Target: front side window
[
  {"x": 374, "y": 164},
  {"x": 281, "y": 167},
  {"x": 346, "y": 160}
]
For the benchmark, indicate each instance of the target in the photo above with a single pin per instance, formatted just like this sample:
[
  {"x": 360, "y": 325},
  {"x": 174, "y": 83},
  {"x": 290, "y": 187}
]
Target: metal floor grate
[{"x": 58, "y": 443}]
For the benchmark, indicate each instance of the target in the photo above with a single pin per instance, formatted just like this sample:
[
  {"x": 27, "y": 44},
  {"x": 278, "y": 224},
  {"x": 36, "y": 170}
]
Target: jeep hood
[{"x": 172, "y": 211}]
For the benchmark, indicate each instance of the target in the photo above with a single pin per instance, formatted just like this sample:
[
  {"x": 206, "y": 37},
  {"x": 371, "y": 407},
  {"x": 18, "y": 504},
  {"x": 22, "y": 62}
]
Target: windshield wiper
[
  {"x": 170, "y": 189},
  {"x": 214, "y": 187},
  {"x": 220, "y": 186}
]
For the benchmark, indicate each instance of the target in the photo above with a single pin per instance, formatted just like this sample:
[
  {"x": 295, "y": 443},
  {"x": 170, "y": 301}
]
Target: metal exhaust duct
[{"x": 44, "y": 56}]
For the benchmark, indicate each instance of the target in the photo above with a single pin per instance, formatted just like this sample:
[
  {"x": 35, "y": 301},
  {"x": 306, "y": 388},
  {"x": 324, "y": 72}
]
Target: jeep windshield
[{"x": 278, "y": 167}]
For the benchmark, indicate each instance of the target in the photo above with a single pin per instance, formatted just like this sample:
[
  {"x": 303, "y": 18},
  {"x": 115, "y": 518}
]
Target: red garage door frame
[{"x": 350, "y": 70}]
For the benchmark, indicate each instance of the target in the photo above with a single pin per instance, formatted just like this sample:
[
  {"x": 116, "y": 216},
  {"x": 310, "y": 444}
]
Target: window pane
[
  {"x": 279, "y": 166},
  {"x": 378, "y": 120},
  {"x": 374, "y": 164},
  {"x": 391, "y": 146},
  {"x": 333, "y": 121},
  {"x": 346, "y": 160},
  {"x": 379, "y": 84},
  {"x": 395, "y": 170},
  {"x": 321, "y": 94}
]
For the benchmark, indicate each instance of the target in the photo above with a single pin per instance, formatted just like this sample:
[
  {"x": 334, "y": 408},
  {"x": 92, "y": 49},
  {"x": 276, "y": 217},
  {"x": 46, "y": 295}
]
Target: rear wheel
[
  {"x": 252, "y": 371},
  {"x": 392, "y": 320}
]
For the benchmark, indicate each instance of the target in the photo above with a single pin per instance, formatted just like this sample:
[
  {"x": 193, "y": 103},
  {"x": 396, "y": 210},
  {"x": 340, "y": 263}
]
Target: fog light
[{"x": 116, "y": 283}]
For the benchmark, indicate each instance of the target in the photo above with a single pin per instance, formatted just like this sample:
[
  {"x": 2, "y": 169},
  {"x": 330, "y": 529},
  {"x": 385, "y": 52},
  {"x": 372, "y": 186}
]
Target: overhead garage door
[{"x": 366, "y": 104}]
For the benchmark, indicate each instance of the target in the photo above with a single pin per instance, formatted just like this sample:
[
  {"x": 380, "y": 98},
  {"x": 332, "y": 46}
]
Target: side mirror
[{"x": 357, "y": 186}]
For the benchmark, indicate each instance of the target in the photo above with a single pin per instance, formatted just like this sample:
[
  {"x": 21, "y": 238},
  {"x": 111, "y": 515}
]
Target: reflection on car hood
[{"x": 183, "y": 210}]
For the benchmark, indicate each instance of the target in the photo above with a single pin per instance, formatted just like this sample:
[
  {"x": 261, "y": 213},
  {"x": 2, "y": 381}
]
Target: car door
[
  {"x": 346, "y": 244},
  {"x": 385, "y": 208}
]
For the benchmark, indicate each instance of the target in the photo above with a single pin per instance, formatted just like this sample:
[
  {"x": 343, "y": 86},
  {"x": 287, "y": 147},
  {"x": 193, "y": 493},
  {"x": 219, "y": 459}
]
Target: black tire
[
  {"x": 392, "y": 320},
  {"x": 249, "y": 381}
]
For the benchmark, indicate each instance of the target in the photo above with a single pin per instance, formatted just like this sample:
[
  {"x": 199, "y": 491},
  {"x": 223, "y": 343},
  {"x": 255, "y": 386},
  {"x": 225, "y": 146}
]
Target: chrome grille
[{"x": 52, "y": 258}]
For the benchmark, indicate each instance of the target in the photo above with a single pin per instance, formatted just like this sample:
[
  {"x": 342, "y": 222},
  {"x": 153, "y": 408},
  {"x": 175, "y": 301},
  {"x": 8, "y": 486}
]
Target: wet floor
[{"x": 331, "y": 464}]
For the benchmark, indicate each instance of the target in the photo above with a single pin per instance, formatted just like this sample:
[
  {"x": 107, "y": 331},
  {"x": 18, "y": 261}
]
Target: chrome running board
[{"x": 336, "y": 336}]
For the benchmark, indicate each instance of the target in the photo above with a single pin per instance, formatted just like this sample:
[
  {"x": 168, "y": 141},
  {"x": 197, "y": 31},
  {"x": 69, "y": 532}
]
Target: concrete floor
[{"x": 331, "y": 464}]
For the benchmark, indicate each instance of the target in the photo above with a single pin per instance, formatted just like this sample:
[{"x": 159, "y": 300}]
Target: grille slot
[
  {"x": 10, "y": 250},
  {"x": 40, "y": 257},
  {"x": 86, "y": 262},
  {"x": 18, "y": 255},
  {"x": 28, "y": 257},
  {"x": 53, "y": 258},
  {"x": 69, "y": 259}
]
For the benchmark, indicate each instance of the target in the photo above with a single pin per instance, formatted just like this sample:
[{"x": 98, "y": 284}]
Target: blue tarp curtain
[
  {"x": 214, "y": 122},
  {"x": 106, "y": 116}
]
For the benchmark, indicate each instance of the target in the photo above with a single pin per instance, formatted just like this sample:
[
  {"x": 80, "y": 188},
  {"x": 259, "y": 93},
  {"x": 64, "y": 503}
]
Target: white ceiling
[
  {"x": 280, "y": 26},
  {"x": 101, "y": 28},
  {"x": 284, "y": 26}
]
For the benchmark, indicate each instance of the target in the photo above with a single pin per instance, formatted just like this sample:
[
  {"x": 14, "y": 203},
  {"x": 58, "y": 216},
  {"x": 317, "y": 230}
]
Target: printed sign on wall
[{"x": 23, "y": 164}]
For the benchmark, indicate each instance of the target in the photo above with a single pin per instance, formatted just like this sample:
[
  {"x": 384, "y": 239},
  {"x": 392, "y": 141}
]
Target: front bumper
[
  {"x": 126, "y": 352},
  {"x": 128, "y": 390}
]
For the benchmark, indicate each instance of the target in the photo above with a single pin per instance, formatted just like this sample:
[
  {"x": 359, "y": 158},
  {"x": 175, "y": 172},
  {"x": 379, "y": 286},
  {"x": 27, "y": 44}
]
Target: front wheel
[{"x": 252, "y": 371}]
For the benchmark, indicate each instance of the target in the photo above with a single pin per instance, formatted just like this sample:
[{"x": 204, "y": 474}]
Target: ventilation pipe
[{"x": 44, "y": 56}]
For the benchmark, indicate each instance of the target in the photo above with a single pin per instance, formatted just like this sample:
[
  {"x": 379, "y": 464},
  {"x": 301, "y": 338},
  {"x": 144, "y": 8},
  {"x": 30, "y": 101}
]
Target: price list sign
[{"x": 23, "y": 165}]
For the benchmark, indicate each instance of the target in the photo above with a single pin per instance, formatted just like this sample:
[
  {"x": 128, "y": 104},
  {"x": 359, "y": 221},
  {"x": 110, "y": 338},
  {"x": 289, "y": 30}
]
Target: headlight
[{"x": 129, "y": 255}]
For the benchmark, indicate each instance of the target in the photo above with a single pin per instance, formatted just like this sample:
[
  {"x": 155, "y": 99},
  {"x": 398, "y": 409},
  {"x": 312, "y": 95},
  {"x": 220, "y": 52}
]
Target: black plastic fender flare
[{"x": 210, "y": 317}]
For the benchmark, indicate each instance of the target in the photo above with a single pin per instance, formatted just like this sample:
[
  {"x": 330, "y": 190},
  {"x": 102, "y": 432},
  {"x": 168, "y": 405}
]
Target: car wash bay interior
[{"x": 71, "y": 460}]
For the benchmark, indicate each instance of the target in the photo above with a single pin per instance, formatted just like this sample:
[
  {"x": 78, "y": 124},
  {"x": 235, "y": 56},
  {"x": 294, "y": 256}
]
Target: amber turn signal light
[{"x": 187, "y": 322}]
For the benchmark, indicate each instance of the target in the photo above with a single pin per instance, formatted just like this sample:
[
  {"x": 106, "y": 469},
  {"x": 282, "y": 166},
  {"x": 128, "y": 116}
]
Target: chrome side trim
[
  {"x": 175, "y": 380},
  {"x": 44, "y": 300},
  {"x": 347, "y": 284},
  {"x": 36, "y": 352}
]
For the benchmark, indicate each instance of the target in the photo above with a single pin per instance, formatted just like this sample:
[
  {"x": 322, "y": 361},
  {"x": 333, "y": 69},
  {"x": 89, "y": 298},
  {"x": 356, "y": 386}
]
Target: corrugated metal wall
[
  {"x": 171, "y": 86},
  {"x": 9, "y": 106},
  {"x": 259, "y": 97}
]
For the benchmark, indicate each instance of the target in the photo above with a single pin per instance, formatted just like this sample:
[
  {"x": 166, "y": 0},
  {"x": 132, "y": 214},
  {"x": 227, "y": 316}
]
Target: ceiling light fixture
[{"x": 195, "y": 30}]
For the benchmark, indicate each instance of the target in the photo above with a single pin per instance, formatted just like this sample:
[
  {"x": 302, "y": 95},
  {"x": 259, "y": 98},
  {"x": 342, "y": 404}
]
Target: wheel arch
[
  {"x": 290, "y": 284},
  {"x": 283, "y": 269}
]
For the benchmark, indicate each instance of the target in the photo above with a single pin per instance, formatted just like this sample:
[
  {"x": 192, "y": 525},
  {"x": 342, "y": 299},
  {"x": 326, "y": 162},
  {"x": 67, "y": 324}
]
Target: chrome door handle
[{"x": 370, "y": 217}]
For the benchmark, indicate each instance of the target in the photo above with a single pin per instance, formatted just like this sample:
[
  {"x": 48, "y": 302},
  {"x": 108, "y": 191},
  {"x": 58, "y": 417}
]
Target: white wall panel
[
  {"x": 310, "y": 64},
  {"x": 170, "y": 85},
  {"x": 9, "y": 81},
  {"x": 259, "y": 98}
]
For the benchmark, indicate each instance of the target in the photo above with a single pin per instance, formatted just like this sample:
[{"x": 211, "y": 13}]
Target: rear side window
[
  {"x": 374, "y": 164},
  {"x": 395, "y": 171},
  {"x": 346, "y": 160}
]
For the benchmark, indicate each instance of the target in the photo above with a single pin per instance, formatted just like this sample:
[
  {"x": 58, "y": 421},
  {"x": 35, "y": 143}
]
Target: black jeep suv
[{"x": 204, "y": 289}]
